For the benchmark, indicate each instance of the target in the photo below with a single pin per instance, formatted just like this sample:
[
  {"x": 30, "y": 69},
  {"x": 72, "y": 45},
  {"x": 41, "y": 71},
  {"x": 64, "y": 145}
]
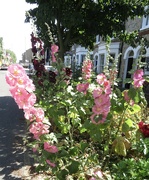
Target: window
[
  {"x": 145, "y": 60},
  {"x": 102, "y": 56},
  {"x": 82, "y": 58},
  {"x": 96, "y": 63},
  {"x": 97, "y": 39},
  {"x": 145, "y": 20}
]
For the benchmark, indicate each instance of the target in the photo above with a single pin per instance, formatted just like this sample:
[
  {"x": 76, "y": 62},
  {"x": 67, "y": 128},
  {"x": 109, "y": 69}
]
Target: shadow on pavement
[{"x": 13, "y": 154}]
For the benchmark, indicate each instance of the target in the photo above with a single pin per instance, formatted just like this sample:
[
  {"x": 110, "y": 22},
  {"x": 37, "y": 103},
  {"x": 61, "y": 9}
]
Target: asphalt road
[{"x": 13, "y": 154}]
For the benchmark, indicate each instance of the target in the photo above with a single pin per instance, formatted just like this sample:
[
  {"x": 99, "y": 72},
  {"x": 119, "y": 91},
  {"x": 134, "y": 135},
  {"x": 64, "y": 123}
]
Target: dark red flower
[
  {"x": 144, "y": 128},
  {"x": 68, "y": 71},
  {"x": 52, "y": 76}
]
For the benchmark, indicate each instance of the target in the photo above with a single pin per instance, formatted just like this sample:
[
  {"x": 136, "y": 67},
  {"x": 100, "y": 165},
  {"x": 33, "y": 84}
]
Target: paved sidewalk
[{"x": 13, "y": 154}]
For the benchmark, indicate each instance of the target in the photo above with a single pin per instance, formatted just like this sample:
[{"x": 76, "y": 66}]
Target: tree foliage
[
  {"x": 12, "y": 55},
  {"x": 79, "y": 21},
  {"x": 1, "y": 48}
]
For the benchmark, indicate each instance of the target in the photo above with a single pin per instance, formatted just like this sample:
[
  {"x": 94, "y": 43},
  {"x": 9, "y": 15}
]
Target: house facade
[{"x": 129, "y": 56}]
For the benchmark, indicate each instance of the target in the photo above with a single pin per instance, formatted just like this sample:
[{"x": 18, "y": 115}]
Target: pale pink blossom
[
  {"x": 16, "y": 70},
  {"x": 50, "y": 163},
  {"x": 83, "y": 87},
  {"x": 50, "y": 148},
  {"x": 34, "y": 114},
  {"x": 101, "y": 78},
  {"x": 39, "y": 114},
  {"x": 30, "y": 87},
  {"x": 30, "y": 113},
  {"x": 23, "y": 99},
  {"x": 38, "y": 129}
]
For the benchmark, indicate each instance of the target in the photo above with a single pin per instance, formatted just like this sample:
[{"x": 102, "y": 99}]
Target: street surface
[{"x": 13, "y": 154}]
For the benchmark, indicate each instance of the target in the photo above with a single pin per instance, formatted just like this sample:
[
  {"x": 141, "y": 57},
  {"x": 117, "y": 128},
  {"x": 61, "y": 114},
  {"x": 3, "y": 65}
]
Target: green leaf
[
  {"x": 83, "y": 146},
  {"x": 120, "y": 148},
  {"x": 127, "y": 125},
  {"x": 74, "y": 167},
  {"x": 135, "y": 108}
]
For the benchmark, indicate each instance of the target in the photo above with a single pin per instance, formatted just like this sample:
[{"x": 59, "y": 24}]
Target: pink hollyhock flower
[
  {"x": 138, "y": 74},
  {"x": 97, "y": 92},
  {"x": 30, "y": 87},
  {"x": 34, "y": 114},
  {"x": 102, "y": 99},
  {"x": 144, "y": 128},
  {"x": 38, "y": 128},
  {"x": 24, "y": 99},
  {"x": 30, "y": 114},
  {"x": 50, "y": 163},
  {"x": 138, "y": 83},
  {"x": 54, "y": 49},
  {"x": 107, "y": 87},
  {"x": 97, "y": 109},
  {"x": 16, "y": 70},
  {"x": 83, "y": 87},
  {"x": 32, "y": 99},
  {"x": 98, "y": 119},
  {"x": 138, "y": 78},
  {"x": 50, "y": 148},
  {"x": 20, "y": 95},
  {"x": 101, "y": 78},
  {"x": 103, "y": 109},
  {"x": 39, "y": 114}
]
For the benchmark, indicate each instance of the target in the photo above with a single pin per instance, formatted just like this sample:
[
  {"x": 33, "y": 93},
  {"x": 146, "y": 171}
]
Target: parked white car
[{"x": 49, "y": 68}]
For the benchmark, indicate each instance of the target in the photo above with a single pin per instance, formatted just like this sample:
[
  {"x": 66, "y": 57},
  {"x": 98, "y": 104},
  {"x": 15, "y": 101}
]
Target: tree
[
  {"x": 10, "y": 56},
  {"x": 79, "y": 21}
]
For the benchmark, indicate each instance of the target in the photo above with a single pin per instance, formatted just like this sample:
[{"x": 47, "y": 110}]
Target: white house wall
[
  {"x": 136, "y": 53},
  {"x": 114, "y": 49}
]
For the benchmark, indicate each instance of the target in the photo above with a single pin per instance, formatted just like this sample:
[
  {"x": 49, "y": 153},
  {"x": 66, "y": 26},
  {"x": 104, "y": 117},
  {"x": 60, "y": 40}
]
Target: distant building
[{"x": 27, "y": 56}]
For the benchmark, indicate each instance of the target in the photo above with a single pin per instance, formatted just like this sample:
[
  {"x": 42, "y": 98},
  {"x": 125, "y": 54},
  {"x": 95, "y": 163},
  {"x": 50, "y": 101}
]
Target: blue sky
[{"x": 15, "y": 33}]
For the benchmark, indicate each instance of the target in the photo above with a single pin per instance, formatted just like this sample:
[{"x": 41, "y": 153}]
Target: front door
[{"x": 128, "y": 75}]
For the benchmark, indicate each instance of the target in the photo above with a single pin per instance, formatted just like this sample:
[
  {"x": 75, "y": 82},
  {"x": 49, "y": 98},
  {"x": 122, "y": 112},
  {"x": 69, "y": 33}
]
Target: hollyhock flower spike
[{"x": 86, "y": 69}]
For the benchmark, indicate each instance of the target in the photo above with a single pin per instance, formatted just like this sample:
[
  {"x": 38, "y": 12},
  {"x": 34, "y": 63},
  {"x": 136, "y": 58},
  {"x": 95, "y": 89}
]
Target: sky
[{"x": 13, "y": 30}]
